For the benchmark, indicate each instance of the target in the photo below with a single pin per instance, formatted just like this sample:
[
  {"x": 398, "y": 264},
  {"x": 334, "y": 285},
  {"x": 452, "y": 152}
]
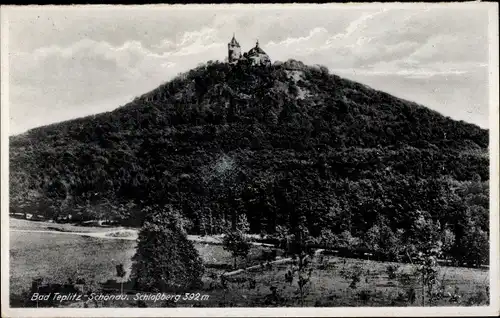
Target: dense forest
[{"x": 285, "y": 145}]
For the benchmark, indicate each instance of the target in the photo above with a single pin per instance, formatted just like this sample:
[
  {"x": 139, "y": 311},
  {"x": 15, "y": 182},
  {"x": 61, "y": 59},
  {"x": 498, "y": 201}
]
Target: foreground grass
[
  {"x": 58, "y": 257},
  {"x": 330, "y": 287}
]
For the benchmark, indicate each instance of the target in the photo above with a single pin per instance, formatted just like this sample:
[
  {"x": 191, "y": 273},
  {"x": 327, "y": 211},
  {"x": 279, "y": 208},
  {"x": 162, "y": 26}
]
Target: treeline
[{"x": 221, "y": 141}]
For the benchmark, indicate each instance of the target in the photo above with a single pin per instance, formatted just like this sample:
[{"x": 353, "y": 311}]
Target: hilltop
[{"x": 288, "y": 144}]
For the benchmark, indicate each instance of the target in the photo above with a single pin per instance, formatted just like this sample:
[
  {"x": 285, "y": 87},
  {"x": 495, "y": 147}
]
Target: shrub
[
  {"x": 364, "y": 296},
  {"x": 237, "y": 244},
  {"x": 480, "y": 298},
  {"x": 165, "y": 258},
  {"x": 392, "y": 270}
]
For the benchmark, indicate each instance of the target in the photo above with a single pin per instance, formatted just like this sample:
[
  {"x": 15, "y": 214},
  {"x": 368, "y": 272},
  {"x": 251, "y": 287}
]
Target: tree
[
  {"x": 303, "y": 282},
  {"x": 426, "y": 243},
  {"x": 448, "y": 239},
  {"x": 381, "y": 239},
  {"x": 372, "y": 238},
  {"x": 302, "y": 254},
  {"x": 282, "y": 236},
  {"x": 327, "y": 238},
  {"x": 120, "y": 272},
  {"x": 425, "y": 234},
  {"x": 242, "y": 224},
  {"x": 346, "y": 240},
  {"x": 427, "y": 269},
  {"x": 476, "y": 243},
  {"x": 235, "y": 241},
  {"x": 165, "y": 258}
]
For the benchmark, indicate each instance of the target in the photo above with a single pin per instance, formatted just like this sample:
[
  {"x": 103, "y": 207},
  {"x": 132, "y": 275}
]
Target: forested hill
[{"x": 287, "y": 144}]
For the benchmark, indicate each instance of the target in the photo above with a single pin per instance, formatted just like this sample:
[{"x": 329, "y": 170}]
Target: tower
[{"x": 234, "y": 51}]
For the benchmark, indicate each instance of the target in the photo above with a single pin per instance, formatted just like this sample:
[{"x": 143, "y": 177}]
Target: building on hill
[
  {"x": 234, "y": 51},
  {"x": 256, "y": 55}
]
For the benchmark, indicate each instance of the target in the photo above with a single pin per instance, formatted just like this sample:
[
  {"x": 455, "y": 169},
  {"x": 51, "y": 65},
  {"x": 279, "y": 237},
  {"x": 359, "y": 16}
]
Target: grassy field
[
  {"x": 330, "y": 285},
  {"x": 18, "y": 224},
  {"x": 59, "y": 256}
]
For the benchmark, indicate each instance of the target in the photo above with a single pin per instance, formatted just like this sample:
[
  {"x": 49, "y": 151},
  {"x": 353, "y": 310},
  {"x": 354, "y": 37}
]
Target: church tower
[{"x": 234, "y": 51}]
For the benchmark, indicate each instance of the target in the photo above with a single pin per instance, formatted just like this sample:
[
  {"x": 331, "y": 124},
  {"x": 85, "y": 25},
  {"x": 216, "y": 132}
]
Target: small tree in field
[
  {"x": 120, "y": 272},
  {"x": 235, "y": 241},
  {"x": 282, "y": 236},
  {"x": 165, "y": 258},
  {"x": 302, "y": 255},
  {"x": 427, "y": 246},
  {"x": 427, "y": 268}
]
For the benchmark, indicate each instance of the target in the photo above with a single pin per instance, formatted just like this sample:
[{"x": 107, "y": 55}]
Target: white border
[
  {"x": 494, "y": 162},
  {"x": 493, "y": 309}
]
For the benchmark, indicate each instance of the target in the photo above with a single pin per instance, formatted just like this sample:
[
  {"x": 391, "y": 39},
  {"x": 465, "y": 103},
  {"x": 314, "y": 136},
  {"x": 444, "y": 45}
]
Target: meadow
[
  {"x": 60, "y": 256},
  {"x": 20, "y": 224},
  {"x": 57, "y": 257},
  {"x": 331, "y": 286}
]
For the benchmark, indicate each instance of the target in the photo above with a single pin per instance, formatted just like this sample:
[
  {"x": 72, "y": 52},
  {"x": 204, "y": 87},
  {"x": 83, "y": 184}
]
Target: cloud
[
  {"x": 460, "y": 96},
  {"x": 205, "y": 35},
  {"x": 56, "y": 80},
  {"x": 165, "y": 44},
  {"x": 314, "y": 35},
  {"x": 407, "y": 48},
  {"x": 58, "y": 66},
  {"x": 357, "y": 26},
  {"x": 84, "y": 63},
  {"x": 89, "y": 61},
  {"x": 449, "y": 47}
]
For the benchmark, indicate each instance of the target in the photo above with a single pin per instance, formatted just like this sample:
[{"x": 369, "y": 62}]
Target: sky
[{"x": 69, "y": 62}]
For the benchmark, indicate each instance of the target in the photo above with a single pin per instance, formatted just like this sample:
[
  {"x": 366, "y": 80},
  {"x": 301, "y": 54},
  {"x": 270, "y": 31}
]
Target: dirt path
[
  {"x": 132, "y": 236},
  {"x": 279, "y": 261},
  {"x": 217, "y": 240},
  {"x": 239, "y": 271},
  {"x": 106, "y": 235}
]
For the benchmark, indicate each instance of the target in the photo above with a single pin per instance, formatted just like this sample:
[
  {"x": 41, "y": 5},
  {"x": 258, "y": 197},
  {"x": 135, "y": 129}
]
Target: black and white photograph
[{"x": 250, "y": 160}]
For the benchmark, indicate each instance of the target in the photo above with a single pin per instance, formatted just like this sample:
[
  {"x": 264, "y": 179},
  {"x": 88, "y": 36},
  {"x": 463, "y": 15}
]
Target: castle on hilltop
[{"x": 256, "y": 55}]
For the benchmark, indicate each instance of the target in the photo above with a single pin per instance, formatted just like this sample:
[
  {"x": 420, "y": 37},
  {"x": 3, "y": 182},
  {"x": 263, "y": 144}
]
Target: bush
[
  {"x": 165, "y": 258},
  {"x": 236, "y": 243},
  {"x": 364, "y": 296},
  {"x": 480, "y": 298},
  {"x": 391, "y": 271}
]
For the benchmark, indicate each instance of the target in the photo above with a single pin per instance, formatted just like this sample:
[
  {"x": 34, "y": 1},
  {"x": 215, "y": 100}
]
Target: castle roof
[
  {"x": 257, "y": 50},
  {"x": 234, "y": 42}
]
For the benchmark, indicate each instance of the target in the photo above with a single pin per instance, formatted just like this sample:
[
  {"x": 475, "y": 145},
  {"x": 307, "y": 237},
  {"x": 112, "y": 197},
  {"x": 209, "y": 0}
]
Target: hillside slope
[{"x": 286, "y": 145}]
